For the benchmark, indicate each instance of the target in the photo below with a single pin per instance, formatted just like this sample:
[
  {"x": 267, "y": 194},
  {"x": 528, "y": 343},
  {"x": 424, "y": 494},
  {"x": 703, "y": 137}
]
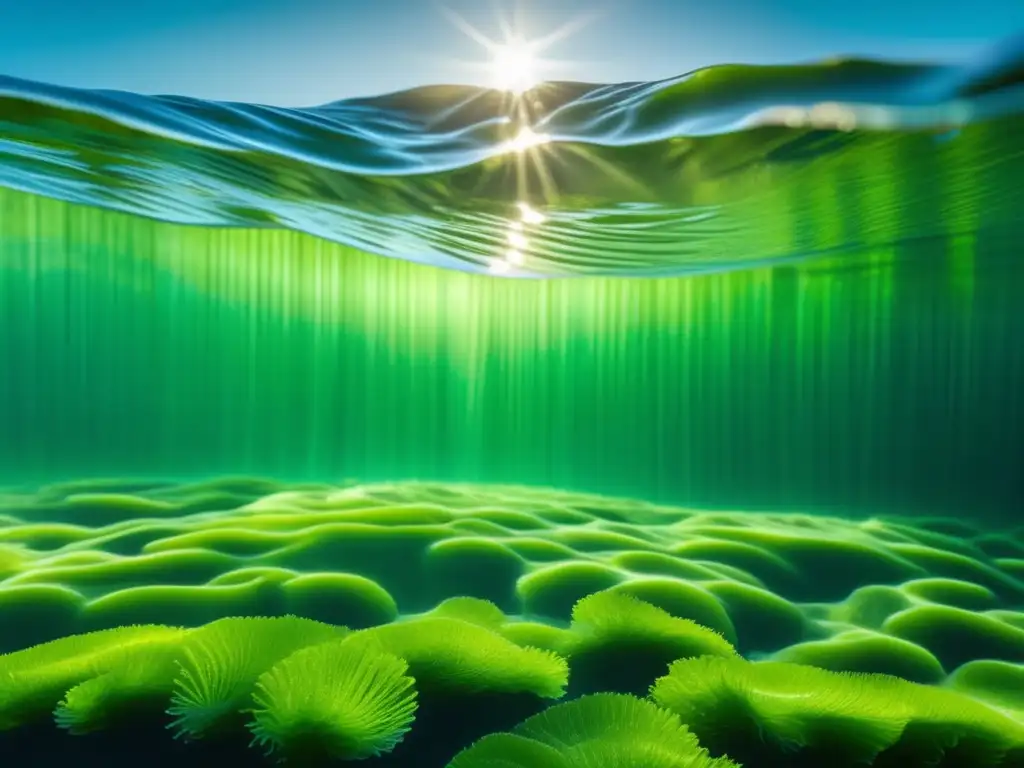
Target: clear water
[{"x": 258, "y": 361}]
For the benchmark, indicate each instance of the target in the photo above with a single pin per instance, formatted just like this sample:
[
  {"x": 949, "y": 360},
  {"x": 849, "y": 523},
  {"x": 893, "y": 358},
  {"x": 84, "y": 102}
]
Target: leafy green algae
[{"x": 496, "y": 601}]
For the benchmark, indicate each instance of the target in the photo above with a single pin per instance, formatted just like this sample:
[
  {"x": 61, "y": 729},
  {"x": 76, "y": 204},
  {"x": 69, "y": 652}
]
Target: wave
[{"x": 726, "y": 167}]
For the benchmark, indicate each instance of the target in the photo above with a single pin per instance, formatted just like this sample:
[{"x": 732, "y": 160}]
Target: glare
[
  {"x": 517, "y": 240},
  {"x": 529, "y": 215},
  {"x": 515, "y": 66},
  {"x": 514, "y": 257},
  {"x": 516, "y": 63},
  {"x": 500, "y": 267},
  {"x": 527, "y": 139}
]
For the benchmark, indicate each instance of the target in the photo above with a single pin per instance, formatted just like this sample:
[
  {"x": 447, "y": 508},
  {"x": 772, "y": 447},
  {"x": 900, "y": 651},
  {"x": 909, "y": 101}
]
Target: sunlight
[
  {"x": 527, "y": 139},
  {"x": 515, "y": 66}
]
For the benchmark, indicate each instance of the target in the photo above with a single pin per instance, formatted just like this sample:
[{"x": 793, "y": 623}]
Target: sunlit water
[{"x": 725, "y": 167}]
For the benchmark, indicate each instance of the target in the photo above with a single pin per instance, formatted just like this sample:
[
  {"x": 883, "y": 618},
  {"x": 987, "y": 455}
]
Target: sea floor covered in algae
[{"x": 471, "y": 626}]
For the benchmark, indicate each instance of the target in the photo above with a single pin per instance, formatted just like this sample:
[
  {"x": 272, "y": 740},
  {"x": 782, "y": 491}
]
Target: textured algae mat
[{"x": 483, "y": 626}]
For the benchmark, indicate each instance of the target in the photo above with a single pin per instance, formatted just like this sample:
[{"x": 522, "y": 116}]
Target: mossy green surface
[
  {"x": 780, "y": 714},
  {"x": 865, "y": 651},
  {"x": 602, "y": 729},
  {"x": 485, "y": 591}
]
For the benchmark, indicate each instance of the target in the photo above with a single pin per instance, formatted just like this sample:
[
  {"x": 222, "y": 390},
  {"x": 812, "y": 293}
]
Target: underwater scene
[{"x": 661, "y": 424}]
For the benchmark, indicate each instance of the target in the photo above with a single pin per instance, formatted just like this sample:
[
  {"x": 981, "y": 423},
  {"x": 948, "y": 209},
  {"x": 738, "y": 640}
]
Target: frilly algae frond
[
  {"x": 605, "y": 729},
  {"x": 453, "y": 655},
  {"x": 617, "y": 642},
  {"x": 221, "y": 662},
  {"x": 33, "y": 681},
  {"x": 335, "y": 700},
  {"x": 780, "y": 714}
]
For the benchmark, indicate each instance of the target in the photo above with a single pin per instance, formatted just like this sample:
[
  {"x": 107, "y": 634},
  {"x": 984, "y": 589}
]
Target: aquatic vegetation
[
  {"x": 366, "y": 556},
  {"x": 335, "y": 700},
  {"x": 780, "y": 714},
  {"x": 619, "y": 643},
  {"x": 604, "y": 729},
  {"x": 452, "y": 655},
  {"x": 220, "y": 664},
  {"x": 862, "y": 650},
  {"x": 330, "y": 622},
  {"x": 33, "y": 681}
]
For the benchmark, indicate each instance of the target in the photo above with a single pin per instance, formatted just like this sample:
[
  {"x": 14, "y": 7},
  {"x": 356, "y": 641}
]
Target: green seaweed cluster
[
  {"x": 311, "y": 692},
  {"x": 430, "y": 625}
]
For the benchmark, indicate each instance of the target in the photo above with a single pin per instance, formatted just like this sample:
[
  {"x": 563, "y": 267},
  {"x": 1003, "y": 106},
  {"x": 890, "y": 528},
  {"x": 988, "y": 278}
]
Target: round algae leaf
[
  {"x": 763, "y": 620},
  {"x": 511, "y": 519},
  {"x": 183, "y": 568},
  {"x": 619, "y": 643},
  {"x": 870, "y": 607},
  {"x": 232, "y": 542},
  {"x": 552, "y": 591},
  {"x": 339, "y": 598},
  {"x": 335, "y": 701},
  {"x": 474, "y": 567},
  {"x": 952, "y": 592},
  {"x": 390, "y": 556},
  {"x": 682, "y": 600},
  {"x": 37, "y": 613},
  {"x": 539, "y": 550},
  {"x": 253, "y": 574},
  {"x": 951, "y": 565},
  {"x": 998, "y": 683},
  {"x": 863, "y": 651},
  {"x": 659, "y": 564},
  {"x": 534, "y": 634},
  {"x": 597, "y": 540},
  {"x": 183, "y": 606},
  {"x": 758, "y": 562},
  {"x": 12, "y": 560},
  {"x": 454, "y": 656},
  {"x": 473, "y": 610},
  {"x": 956, "y": 636}
]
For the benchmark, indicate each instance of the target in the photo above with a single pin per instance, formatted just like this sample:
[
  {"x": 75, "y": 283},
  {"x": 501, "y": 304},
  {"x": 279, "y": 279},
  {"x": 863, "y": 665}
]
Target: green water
[{"x": 884, "y": 379}]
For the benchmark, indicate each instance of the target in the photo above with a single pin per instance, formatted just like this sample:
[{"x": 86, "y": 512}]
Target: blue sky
[{"x": 300, "y": 52}]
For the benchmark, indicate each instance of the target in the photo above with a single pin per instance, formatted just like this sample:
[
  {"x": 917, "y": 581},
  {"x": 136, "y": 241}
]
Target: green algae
[{"x": 488, "y": 592}]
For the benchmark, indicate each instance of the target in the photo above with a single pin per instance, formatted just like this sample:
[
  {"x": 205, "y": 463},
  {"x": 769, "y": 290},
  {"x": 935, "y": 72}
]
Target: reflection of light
[
  {"x": 517, "y": 240},
  {"x": 527, "y": 139},
  {"x": 514, "y": 257},
  {"x": 529, "y": 215},
  {"x": 500, "y": 267},
  {"x": 514, "y": 66}
]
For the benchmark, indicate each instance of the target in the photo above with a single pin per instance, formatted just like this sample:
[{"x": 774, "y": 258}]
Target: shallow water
[{"x": 262, "y": 362}]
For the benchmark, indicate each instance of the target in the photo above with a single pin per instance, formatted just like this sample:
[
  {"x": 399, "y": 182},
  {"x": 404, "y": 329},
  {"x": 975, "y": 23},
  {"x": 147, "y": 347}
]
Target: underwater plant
[
  {"x": 620, "y": 643},
  {"x": 609, "y": 730},
  {"x": 220, "y": 664},
  {"x": 137, "y": 687},
  {"x": 335, "y": 700},
  {"x": 782, "y": 714},
  {"x": 33, "y": 681},
  {"x": 446, "y": 654}
]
